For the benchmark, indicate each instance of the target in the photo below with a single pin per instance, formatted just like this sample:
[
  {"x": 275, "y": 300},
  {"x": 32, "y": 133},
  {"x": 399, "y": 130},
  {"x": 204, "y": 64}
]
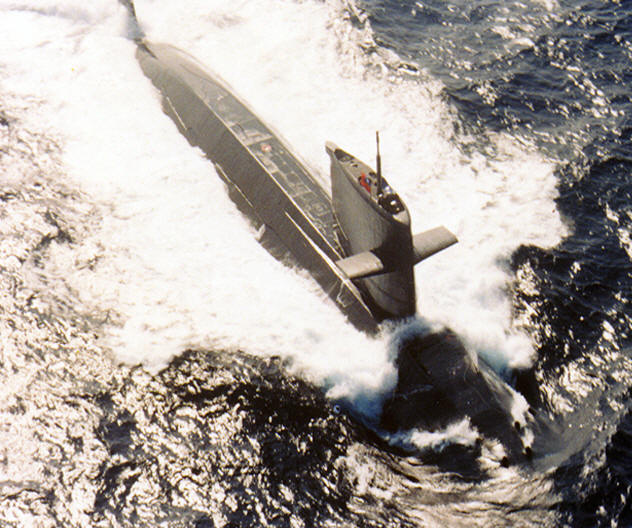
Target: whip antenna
[{"x": 378, "y": 163}]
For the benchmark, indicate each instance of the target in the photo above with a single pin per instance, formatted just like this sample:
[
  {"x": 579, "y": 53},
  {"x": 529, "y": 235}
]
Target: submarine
[{"x": 358, "y": 245}]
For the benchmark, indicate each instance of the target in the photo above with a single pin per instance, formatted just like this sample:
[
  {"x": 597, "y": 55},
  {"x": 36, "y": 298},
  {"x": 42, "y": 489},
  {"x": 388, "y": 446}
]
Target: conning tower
[{"x": 375, "y": 225}]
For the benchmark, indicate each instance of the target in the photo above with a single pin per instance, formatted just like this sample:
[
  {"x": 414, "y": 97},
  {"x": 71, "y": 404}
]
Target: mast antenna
[{"x": 378, "y": 163}]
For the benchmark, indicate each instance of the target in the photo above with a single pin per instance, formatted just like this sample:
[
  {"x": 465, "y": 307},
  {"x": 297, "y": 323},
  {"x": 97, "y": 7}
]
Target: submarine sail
[{"x": 375, "y": 220}]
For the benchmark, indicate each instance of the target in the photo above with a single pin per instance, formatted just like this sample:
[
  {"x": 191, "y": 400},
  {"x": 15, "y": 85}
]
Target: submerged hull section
[
  {"x": 440, "y": 384},
  {"x": 292, "y": 211}
]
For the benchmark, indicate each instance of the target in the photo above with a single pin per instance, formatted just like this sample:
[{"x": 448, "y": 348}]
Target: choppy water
[{"x": 160, "y": 368}]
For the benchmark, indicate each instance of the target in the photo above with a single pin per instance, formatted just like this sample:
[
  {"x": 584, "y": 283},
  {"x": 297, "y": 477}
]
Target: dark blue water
[{"x": 557, "y": 75}]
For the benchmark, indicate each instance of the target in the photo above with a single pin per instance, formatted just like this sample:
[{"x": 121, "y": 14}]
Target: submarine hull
[
  {"x": 267, "y": 182},
  {"x": 297, "y": 224}
]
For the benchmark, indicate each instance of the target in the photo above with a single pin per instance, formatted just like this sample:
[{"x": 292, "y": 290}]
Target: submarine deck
[{"x": 262, "y": 143}]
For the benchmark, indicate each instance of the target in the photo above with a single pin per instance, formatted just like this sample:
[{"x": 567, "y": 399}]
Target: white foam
[
  {"x": 177, "y": 262},
  {"x": 460, "y": 433}
]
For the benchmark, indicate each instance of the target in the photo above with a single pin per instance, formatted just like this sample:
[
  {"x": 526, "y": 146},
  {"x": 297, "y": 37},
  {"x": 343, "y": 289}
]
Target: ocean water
[{"x": 159, "y": 367}]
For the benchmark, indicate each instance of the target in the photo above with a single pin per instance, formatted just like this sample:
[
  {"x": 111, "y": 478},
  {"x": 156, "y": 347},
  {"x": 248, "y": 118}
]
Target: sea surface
[{"x": 159, "y": 368}]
